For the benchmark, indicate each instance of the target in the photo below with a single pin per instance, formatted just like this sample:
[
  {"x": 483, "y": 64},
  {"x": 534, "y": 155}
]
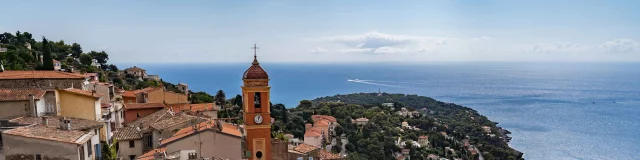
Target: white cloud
[
  {"x": 380, "y": 43},
  {"x": 612, "y": 46},
  {"x": 318, "y": 50}
]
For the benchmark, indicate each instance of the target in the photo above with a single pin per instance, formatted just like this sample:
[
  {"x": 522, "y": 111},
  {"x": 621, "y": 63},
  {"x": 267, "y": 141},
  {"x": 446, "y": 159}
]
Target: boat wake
[{"x": 372, "y": 82}]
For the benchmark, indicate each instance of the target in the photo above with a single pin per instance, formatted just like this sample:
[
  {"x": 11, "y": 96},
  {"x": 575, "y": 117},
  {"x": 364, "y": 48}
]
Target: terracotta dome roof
[{"x": 255, "y": 71}]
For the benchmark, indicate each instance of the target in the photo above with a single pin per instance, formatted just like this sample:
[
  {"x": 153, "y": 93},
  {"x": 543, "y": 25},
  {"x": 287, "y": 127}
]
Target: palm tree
[{"x": 220, "y": 98}]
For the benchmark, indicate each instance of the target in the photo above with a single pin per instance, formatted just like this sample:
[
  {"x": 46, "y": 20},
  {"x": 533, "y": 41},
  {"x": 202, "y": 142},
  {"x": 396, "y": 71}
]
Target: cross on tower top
[{"x": 255, "y": 58}]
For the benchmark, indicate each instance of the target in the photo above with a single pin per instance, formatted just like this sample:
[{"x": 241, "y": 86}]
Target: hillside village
[{"x": 80, "y": 109}]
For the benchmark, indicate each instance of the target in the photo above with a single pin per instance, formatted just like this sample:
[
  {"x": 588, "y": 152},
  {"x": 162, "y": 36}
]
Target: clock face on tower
[{"x": 257, "y": 119}]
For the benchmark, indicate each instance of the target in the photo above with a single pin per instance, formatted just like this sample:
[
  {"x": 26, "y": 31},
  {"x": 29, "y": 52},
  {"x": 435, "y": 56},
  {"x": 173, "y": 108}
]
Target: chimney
[
  {"x": 141, "y": 126},
  {"x": 32, "y": 105},
  {"x": 307, "y": 126},
  {"x": 65, "y": 124},
  {"x": 68, "y": 124},
  {"x": 1, "y": 67},
  {"x": 45, "y": 121}
]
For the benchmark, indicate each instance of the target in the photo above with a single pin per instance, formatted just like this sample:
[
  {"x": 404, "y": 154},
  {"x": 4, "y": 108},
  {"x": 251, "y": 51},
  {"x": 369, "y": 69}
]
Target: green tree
[
  {"x": 305, "y": 104},
  {"x": 86, "y": 59},
  {"x": 102, "y": 57},
  {"x": 339, "y": 130},
  {"x": 220, "y": 97},
  {"x": 76, "y": 50},
  {"x": 336, "y": 148},
  {"x": 109, "y": 152},
  {"x": 47, "y": 61}
]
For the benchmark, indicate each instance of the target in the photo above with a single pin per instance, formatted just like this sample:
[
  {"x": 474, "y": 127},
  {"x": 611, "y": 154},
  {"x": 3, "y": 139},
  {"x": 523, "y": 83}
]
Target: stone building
[
  {"x": 40, "y": 79},
  {"x": 143, "y": 134},
  {"x": 137, "y": 73},
  {"x": 51, "y": 138},
  {"x": 219, "y": 140},
  {"x": 16, "y": 102}
]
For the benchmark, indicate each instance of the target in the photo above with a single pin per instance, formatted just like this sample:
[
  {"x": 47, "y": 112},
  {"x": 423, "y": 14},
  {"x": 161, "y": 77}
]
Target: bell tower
[{"x": 257, "y": 115}]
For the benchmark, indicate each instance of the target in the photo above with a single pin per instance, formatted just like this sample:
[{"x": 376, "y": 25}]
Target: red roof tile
[
  {"x": 321, "y": 123},
  {"x": 184, "y": 132},
  {"x": 255, "y": 72},
  {"x": 51, "y": 133},
  {"x": 12, "y": 74},
  {"x": 143, "y": 105},
  {"x": 319, "y": 117},
  {"x": 151, "y": 154},
  {"x": 20, "y": 94},
  {"x": 82, "y": 92},
  {"x": 313, "y": 132},
  {"x": 328, "y": 155},
  {"x": 305, "y": 148}
]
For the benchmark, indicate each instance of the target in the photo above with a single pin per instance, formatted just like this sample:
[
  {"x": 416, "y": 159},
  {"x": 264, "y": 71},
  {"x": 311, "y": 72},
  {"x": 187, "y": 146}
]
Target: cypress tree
[{"x": 47, "y": 60}]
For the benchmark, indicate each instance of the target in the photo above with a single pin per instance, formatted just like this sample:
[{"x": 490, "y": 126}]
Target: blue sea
[{"x": 554, "y": 110}]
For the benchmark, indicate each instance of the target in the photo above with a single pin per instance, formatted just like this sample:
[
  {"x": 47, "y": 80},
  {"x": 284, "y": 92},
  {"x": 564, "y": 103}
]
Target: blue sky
[{"x": 338, "y": 31}]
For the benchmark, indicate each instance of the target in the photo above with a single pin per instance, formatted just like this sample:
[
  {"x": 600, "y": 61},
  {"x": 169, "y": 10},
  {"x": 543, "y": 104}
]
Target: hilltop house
[
  {"x": 57, "y": 65},
  {"x": 361, "y": 121},
  {"x": 137, "y": 73},
  {"x": 328, "y": 123}
]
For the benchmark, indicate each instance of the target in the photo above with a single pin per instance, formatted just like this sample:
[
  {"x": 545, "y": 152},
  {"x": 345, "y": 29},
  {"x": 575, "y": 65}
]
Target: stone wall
[
  {"x": 21, "y": 148},
  {"x": 42, "y": 83}
]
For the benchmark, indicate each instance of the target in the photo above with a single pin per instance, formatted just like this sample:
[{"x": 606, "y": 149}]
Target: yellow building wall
[
  {"x": 77, "y": 106},
  {"x": 160, "y": 96}
]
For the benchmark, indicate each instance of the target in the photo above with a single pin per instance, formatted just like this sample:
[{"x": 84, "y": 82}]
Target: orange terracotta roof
[
  {"x": 143, "y": 105},
  {"x": 319, "y": 117},
  {"x": 184, "y": 132},
  {"x": 313, "y": 132},
  {"x": 321, "y": 123},
  {"x": 13, "y": 74},
  {"x": 51, "y": 133},
  {"x": 56, "y": 61},
  {"x": 151, "y": 154},
  {"x": 145, "y": 90},
  {"x": 82, "y": 92},
  {"x": 305, "y": 148},
  {"x": 328, "y": 155},
  {"x": 203, "y": 107},
  {"x": 128, "y": 94},
  {"x": 91, "y": 74},
  {"x": 423, "y": 137},
  {"x": 7, "y": 94}
]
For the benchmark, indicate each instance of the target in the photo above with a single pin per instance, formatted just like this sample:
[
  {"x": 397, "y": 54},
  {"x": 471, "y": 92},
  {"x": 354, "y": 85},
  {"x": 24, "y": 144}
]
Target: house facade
[
  {"x": 105, "y": 90},
  {"x": 41, "y": 141},
  {"x": 57, "y": 65},
  {"x": 26, "y": 102},
  {"x": 143, "y": 134},
  {"x": 133, "y": 111},
  {"x": 84, "y": 105},
  {"x": 154, "y": 95},
  {"x": 219, "y": 140}
]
